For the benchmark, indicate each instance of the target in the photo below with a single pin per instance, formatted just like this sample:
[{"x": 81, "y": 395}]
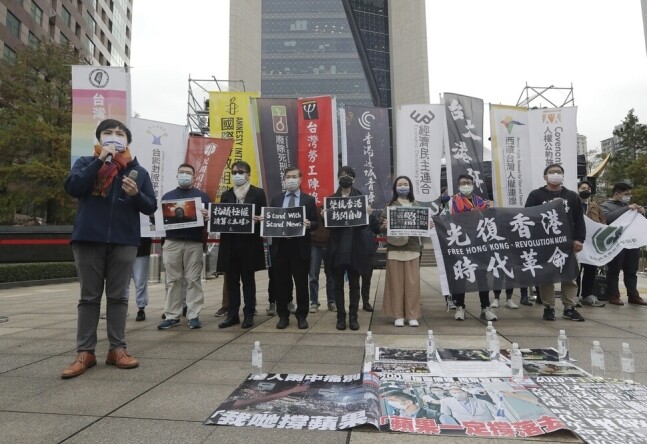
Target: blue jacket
[{"x": 112, "y": 219}]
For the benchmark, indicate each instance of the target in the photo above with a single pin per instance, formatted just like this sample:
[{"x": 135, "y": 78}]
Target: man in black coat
[
  {"x": 241, "y": 255},
  {"x": 291, "y": 255}
]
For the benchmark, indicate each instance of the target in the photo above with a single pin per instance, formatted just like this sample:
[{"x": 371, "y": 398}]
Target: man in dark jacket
[
  {"x": 112, "y": 190},
  {"x": 628, "y": 258},
  {"x": 183, "y": 256},
  {"x": 554, "y": 177},
  {"x": 241, "y": 255},
  {"x": 347, "y": 249},
  {"x": 291, "y": 255}
]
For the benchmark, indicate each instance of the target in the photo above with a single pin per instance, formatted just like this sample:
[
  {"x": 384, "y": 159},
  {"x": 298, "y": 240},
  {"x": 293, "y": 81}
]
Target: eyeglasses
[
  {"x": 238, "y": 172},
  {"x": 466, "y": 183}
]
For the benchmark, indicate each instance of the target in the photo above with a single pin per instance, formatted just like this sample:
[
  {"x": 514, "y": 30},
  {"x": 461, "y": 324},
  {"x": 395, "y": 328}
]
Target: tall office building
[
  {"x": 364, "y": 52},
  {"x": 99, "y": 30}
]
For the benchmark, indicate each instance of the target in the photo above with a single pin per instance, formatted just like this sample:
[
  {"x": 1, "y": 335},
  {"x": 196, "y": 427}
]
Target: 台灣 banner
[
  {"x": 283, "y": 222},
  {"x": 408, "y": 221},
  {"x": 345, "y": 211}
]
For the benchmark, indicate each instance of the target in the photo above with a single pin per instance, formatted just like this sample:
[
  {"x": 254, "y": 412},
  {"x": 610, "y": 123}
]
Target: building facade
[
  {"x": 99, "y": 30},
  {"x": 364, "y": 52}
]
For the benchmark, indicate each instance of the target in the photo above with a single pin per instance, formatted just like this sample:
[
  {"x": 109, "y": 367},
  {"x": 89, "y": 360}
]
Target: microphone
[
  {"x": 108, "y": 160},
  {"x": 132, "y": 175}
]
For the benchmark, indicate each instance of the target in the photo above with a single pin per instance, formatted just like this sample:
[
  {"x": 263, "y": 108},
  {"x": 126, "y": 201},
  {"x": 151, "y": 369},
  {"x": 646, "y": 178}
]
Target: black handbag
[{"x": 600, "y": 284}]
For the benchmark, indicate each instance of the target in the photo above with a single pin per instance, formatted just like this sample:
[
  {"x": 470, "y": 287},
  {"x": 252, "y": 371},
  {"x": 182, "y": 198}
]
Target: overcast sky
[{"x": 487, "y": 49}]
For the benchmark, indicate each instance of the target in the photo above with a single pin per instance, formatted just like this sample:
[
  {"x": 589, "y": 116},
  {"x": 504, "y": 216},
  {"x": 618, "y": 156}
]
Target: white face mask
[
  {"x": 626, "y": 199},
  {"x": 184, "y": 180},
  {"x": 292, "y": 184},
  {"x": 119, "y": 142},
  {"x": 555, "y": 178},
  {"x": 239, "y": 179},
  {"x": 466, "y": 190},
  {"x": 462, "y": 396}
]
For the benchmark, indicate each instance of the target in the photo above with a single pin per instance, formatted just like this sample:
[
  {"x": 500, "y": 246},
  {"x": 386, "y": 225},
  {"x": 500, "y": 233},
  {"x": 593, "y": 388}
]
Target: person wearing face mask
[
  {"x": 463, "y": 201},
  {"x": 241, "y": 255},
  {"x": 402, "y": 282},
  {"x": 105, "y": 239},
  {"x": 347, "y": 249},
  {"x": 587, "y": 274},
  {"x": 460, "y": 407},
  {"x": 554, "y": 177},
  {"x": 183, "y": 258},
  {"x": 291, "y": 255},
  {"x": 628, "y": 258},
  {"x": 406, "y": 405}
]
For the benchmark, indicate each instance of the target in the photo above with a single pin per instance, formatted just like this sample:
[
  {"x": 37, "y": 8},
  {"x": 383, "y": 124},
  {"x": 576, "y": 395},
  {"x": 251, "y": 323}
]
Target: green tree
[
  {"x": 35, "y": 128},
  {"x": 628, "y": 162}
]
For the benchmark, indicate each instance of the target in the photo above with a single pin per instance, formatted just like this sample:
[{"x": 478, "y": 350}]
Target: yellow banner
[{"x": 229, "y": 118}]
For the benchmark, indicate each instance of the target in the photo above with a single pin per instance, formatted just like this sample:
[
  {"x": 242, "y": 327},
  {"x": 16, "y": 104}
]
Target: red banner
[
  {"x": 317, "y": 146},
  {"x": 208, "y": 156}
]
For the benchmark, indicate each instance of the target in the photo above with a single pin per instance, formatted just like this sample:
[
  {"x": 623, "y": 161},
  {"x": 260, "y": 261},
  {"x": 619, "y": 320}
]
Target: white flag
[{"x": 604, "y": 242}]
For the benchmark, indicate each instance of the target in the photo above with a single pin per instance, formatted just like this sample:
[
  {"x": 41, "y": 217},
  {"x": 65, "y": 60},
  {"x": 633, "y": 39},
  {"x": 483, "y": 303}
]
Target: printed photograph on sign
[{"x": 181, "y": 213}]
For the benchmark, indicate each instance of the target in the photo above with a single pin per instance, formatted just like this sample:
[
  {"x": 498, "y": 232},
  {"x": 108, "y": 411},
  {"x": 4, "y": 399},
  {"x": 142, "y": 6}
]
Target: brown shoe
[
  {"x": 84, "y": 360},
  {"x": 637, "y": 300},
  {"x": 120, "y": 358},
  {"x": 616, "y": 301}
]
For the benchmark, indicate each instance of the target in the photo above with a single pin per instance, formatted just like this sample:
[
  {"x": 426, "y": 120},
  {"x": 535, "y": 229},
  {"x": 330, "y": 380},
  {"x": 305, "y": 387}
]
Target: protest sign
[
  {"x": 345, "y": 211},
  {"x": 231, "y": 218},
  {"x": 283, "y": 222}
]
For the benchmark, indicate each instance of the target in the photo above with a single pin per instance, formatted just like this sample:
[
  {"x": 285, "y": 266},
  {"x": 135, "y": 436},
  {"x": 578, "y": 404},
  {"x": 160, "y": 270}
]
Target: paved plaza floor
[{"x": 185, "y": 374}]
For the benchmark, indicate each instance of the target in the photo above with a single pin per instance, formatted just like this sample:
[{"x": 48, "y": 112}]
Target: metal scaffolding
[
  {"x": 555, "y": 96},
  {"x": 197, "y": 116}
]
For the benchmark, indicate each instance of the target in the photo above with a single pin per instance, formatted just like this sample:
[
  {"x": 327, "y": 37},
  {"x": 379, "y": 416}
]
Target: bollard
[{"x": 154, "y": 268}]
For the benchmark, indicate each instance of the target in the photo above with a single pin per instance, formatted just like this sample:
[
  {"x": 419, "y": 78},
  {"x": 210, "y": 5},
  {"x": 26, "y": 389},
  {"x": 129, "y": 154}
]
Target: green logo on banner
[{"x": 606, "y": 238}]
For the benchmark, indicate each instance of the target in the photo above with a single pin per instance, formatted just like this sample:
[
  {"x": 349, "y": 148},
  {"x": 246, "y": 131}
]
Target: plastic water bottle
[
  {"x": 516, "y": 363},
  {"x": 369, "y": 351},
  {"x": 597, "y": 360},
  {"x": 495, "y": 345},
  {"x": 488, "y": 335},
  {"x": 627, "y": 361},
  {"x": 257, "y": 359},
  {"x": 431, "y": 347},
  {"x": 562, "y": 346}
]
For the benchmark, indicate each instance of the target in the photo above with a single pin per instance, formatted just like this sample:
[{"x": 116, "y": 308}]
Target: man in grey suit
[{"x": 291, "y": 255}]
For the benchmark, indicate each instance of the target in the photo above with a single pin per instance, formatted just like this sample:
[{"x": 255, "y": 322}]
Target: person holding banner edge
[
  {"x": 402, "y": 299},
  {"x": 463, "y": 201},
  {"x": 241, "y": 255},
  {"x": 554, "y": 177},
  {"x": 628, "y": 258},
  {"x": 291, "y": 255}
]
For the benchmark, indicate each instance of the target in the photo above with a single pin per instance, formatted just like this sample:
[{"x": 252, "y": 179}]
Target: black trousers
[
  {"x": 237, "y": 274},
  {"x": 484, "y": 297},
  {"x": 627, "y": 261},
  {"x": 366, "y": 280},
  {"x": 289, "y": 267},
  {"x": 585, "y": 280},
  {"x": 354, "y": 292}
]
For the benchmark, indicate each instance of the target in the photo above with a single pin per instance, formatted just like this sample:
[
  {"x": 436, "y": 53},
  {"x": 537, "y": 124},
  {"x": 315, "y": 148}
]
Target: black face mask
[
  {"x": 585, "y": 194},
  {"x": 345, "y": 181}
]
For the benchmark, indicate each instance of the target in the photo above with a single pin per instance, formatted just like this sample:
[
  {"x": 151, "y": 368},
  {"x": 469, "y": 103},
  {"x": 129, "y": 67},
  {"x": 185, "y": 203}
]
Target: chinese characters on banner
[
  {"x": 231, "y": 218},
  {"x": 553, "y": 139},
  {"x": 157, "y": 148},
  {"x": 98, "y": 93},
  {"x": 408, "y": 221},
  {"x": 420, "y": 133},
  {"x": 511, "y": 168},
  {"x": 465, "y": 140},
  {"x": 317, "y": 146},
  {"x": 505, "y": 248},
  {"x": 366, "y": 148},
  {"x": 230, "y": 118},
  {"x": 345, "y": 211},
  {"x": 277, "y": 140},
  {"x": 208, "y": 156},
  {"x": 283, "y": 222}
]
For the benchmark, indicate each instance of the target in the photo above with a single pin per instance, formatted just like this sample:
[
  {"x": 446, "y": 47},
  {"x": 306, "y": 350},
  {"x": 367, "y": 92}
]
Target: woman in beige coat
[{"x": 402, "y": 283}]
